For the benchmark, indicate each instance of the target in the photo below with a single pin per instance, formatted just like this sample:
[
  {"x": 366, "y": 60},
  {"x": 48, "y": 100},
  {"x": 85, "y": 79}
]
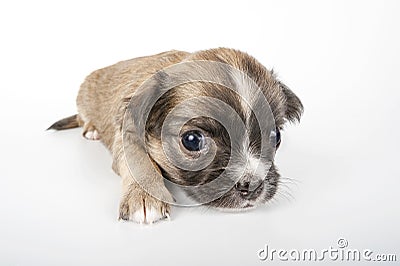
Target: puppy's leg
[{"x": 138, "y": 205}]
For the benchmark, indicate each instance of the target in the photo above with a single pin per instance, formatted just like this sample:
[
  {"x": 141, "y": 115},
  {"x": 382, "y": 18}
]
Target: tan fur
[
  {"x": 101, "y": 105},
  {"x": 102, "y": 102}
]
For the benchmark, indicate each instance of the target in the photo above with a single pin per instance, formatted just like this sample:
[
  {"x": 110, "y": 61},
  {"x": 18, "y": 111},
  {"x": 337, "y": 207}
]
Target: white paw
[
  {"x": 92, "y": 135},
  {"x": 143, "y": 210},
  {"x": 148, "y": 216}
]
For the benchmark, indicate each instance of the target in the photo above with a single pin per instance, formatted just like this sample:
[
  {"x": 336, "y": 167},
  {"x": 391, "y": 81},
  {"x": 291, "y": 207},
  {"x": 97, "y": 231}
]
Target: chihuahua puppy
[{"x": 208, "y": 122}]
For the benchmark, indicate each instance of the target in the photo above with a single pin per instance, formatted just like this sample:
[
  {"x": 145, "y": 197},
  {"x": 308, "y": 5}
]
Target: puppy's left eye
[
  {"x": 193, "y": 140},
  {"x": 276, "y": 137}
]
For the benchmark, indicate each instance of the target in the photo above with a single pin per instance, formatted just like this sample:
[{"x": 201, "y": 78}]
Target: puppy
[{"x": 207, "y": 123}]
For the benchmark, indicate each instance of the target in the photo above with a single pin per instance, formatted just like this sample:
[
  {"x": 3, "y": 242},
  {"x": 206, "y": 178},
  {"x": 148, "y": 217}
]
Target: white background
[{"x": 59, "y": 197}]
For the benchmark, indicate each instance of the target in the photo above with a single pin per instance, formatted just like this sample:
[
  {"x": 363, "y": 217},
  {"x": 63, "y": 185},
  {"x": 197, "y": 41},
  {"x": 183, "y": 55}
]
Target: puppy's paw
[
  {"x": 92, "y": 135},
  {"x": 142, "y": 208},
  {"x": 90, "y": 132}
]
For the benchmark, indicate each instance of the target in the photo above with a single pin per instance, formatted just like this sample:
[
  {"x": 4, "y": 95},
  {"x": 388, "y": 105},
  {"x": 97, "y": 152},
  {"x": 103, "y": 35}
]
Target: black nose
[{"x": 248, "y": 190}]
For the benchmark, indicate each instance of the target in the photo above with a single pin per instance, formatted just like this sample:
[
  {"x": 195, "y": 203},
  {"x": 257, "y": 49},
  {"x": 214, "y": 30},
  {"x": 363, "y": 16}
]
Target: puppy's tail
[{"x": 66, "y": 123}]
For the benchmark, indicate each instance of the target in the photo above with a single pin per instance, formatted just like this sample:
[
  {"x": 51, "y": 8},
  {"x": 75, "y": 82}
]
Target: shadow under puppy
[{"x": 109, "y": 95}]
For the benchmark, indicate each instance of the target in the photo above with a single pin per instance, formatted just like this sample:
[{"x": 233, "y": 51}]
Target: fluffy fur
[{"x": 103, "y": 100}]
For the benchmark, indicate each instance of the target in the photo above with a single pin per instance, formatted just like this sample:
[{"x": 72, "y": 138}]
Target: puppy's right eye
[
  {"x": 193, "y": 140},
  {"x": 276, "y": 137}
]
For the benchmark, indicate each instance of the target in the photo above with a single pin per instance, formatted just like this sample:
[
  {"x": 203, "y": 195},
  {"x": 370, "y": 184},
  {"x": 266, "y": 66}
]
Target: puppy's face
[{"x": 220, "y": 142}]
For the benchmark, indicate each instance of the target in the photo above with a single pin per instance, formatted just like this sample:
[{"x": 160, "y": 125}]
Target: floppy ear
[
  {"x": 143, "y": 100},
  {"x": 294, "y": 107}
]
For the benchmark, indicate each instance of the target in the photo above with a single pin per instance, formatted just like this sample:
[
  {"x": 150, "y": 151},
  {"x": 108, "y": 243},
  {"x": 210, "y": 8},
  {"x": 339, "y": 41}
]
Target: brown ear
[
  {"x": 294, "y": 107},
  {"x": 140, "y": 104}
]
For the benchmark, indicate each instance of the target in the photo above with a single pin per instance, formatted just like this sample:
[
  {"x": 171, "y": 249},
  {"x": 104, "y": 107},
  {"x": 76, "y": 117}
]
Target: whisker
[
  {"x": 285, "y": 187},
  {"x": 290, "y": 180},
  {"x": 280, "y": 195}
]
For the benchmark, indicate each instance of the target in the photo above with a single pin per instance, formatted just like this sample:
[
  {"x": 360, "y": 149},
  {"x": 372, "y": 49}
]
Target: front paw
[{"x": 142, "y": 208}]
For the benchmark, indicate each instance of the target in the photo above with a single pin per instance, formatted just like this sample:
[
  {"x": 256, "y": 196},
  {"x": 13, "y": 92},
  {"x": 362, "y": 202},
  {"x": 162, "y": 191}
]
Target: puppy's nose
[{"x": 248, "y": 189}]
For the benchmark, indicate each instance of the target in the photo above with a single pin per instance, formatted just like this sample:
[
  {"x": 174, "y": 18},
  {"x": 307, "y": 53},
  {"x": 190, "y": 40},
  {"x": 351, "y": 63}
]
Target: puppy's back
[{"x": 101, "y": 97}]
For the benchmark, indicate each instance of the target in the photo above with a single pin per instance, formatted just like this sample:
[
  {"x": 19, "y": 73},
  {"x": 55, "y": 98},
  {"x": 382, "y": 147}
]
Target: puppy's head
[{"x": 215, "y": 130}]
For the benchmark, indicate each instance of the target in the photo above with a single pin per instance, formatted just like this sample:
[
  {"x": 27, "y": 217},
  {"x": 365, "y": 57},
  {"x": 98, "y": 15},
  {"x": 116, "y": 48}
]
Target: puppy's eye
[
  {"x": 193, "y": 140},
  {"x": 276, "y": 137}
]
